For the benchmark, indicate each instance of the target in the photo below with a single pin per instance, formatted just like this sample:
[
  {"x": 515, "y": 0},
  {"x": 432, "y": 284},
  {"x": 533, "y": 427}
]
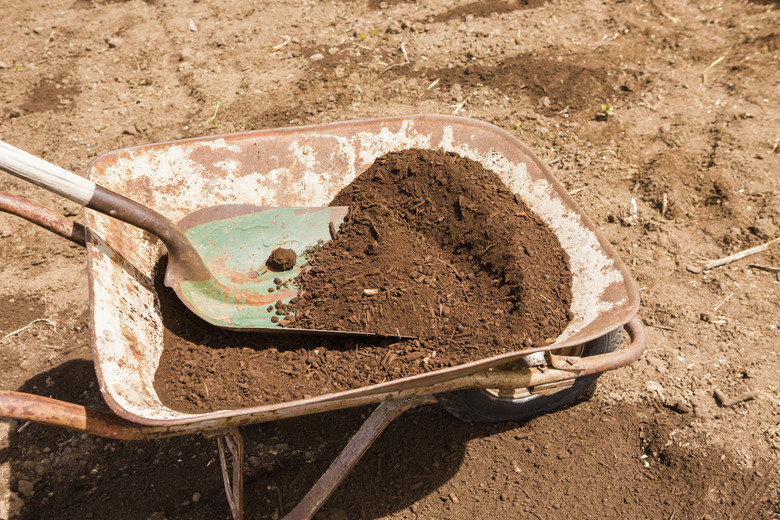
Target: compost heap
[{"x": 435, "y": 246}]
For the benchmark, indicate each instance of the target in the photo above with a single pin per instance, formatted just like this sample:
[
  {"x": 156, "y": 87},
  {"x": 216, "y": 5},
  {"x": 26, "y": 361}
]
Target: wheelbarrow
[{"x": 308, "y": 166}]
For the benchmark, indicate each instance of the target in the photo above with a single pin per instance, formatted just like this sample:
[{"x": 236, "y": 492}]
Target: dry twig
[
  {"x": 742, "y": 254},
  {"x": 768, "y": 268},
  {"x": 287, "y": 40},
  {"x": 725, "y": 401},
  {"x": 460, "y": 106},
  {"x": 577, "y": 190}
]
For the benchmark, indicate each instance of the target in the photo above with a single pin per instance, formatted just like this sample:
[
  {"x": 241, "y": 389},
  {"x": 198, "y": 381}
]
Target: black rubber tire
[{"x": 479, "y": 406}]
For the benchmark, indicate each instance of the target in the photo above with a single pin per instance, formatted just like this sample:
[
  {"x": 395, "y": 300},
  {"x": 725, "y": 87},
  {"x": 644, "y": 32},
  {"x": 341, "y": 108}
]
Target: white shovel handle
[
  {"x": 45, "y": 174},
  {"x": 188, "y": 264}
]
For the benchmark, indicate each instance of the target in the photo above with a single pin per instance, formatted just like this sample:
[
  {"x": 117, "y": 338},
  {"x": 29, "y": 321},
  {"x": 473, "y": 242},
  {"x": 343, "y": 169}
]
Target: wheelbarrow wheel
[{"x": 483, "y": 406}]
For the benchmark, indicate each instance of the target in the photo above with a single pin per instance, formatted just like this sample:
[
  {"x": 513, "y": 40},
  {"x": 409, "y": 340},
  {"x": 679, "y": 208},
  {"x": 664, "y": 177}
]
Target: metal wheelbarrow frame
[{"x": 305, "y": 166}]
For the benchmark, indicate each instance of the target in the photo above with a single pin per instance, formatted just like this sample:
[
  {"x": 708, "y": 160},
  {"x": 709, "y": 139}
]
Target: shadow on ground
[
  {"x": 62, "y": 474},
  {"x": 554, "y": 466}
]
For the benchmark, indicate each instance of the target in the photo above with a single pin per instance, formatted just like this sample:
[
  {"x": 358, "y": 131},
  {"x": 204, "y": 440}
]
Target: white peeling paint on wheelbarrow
[{"x": 305, "y": 166}]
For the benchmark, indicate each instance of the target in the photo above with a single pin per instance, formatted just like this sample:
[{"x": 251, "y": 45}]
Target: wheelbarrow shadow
[{"x": 61, "y": 474}]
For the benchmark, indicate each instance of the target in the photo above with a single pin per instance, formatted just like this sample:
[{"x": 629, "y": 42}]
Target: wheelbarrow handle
[
  {"x": 43, "y": 216},
  {"x": 53, "y": 412}
]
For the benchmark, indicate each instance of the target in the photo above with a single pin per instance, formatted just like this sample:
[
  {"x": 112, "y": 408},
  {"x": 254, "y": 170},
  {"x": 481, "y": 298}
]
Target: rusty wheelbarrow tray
[{"x": 304, "y": 166}]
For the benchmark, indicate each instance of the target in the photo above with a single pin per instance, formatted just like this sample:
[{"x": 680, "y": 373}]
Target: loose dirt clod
[
  {"x": 281, "y": 259},
  {"x": 434, "y": 246}
]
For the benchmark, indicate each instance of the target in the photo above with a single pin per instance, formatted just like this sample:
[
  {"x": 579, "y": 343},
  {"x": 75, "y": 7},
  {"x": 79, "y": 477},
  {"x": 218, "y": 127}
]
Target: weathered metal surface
[
  {"x": 28, "y": 407},
  {"x": 44, "y": 410},
  {"x": 565, "y": 362},
  {"x": 307, "y": 167},
  {"x": 42, "y": 216}
]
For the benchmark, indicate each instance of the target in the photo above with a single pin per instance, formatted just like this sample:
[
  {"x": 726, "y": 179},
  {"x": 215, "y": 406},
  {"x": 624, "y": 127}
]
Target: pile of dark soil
[{"x": 435, "y": 247}]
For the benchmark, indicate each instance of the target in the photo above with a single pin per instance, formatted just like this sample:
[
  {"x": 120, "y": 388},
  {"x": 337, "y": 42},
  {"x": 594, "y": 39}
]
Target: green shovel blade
[{"x": 235, "y": 243}]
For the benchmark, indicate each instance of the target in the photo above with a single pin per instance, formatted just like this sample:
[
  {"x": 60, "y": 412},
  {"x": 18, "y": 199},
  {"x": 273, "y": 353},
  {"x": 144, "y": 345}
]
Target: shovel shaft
[
  {"x": 185, "y": 261},
  {"x": 45, "y": 174}
]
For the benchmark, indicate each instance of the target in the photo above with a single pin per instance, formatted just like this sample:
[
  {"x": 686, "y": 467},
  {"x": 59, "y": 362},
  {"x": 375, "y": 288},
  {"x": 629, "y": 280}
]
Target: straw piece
[{"x": 27, "y": 327}]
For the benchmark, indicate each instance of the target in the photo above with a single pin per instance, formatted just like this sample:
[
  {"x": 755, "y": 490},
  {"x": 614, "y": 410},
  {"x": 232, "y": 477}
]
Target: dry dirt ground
[{"x": 681, "y": 167}]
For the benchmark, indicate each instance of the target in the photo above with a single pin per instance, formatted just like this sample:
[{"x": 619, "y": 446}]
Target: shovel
[{"x": 218, "y": 257}]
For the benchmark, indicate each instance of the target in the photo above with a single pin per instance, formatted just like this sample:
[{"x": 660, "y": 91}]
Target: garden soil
[
  {"x": 659, "y": 117},
  {"x": 434, "y": 247}
]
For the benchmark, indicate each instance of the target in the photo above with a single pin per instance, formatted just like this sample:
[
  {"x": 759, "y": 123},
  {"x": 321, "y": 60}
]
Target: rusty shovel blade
[{"x": 234, "y": 243}]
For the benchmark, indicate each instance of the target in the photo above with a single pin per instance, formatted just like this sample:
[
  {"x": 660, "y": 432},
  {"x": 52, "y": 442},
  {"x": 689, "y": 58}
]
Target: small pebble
[
  {"x": 693, "y": 269},
  {"x": 763, "y": 228},
  {"x": 316, "y": 57},
  {"x": 333, "y": 50},
  {"x": 654, "y": 386}
]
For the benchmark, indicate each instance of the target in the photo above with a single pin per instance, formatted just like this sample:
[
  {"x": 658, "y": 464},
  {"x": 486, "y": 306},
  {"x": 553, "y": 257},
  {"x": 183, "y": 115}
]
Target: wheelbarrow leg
[
  {"x": 235, "y": 489},
  {"x": 352, "y": 452}
]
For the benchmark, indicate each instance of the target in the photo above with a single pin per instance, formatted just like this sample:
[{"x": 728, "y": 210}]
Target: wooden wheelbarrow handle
[{"x": 90, "y": 195}]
